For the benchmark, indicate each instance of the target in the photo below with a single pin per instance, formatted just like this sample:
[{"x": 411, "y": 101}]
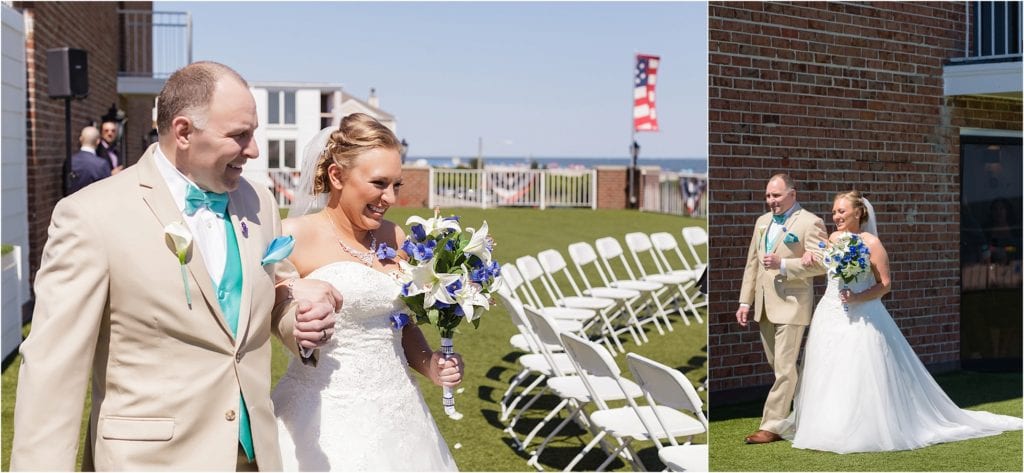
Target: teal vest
[{"x": 229, "y": 296}]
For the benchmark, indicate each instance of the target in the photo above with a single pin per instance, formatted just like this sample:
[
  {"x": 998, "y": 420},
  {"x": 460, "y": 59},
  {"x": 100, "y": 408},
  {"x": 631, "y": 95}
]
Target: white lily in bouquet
[{"x": 448, "y": 278}]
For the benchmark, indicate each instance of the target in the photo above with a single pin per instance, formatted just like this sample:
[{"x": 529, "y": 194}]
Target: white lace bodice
[{"x": 360, "y": 408}]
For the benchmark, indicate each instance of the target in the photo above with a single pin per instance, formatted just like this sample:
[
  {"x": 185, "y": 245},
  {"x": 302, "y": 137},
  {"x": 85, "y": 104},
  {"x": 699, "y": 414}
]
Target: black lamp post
[
  {"x": 404, "y": 151},
  {"x": 634, "y": 150}
]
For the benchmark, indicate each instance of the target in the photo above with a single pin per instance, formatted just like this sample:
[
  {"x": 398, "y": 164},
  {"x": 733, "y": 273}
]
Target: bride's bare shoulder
[
  {"x": 302, "y": 227},
  {"x": 834, "y": 236},
  {"x": 869, "y": 239}
]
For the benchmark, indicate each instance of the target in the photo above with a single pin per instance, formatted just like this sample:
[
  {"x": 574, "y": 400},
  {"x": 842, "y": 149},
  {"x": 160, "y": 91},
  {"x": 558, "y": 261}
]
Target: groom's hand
[
  {"x": 314, "y": 324},
  {"x": 741, "y": 315}
]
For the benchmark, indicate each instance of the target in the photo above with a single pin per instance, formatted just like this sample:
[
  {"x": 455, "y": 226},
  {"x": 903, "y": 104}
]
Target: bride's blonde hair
[
  {"x": 357, "y": 133},
  {"x": 856, "y": 199}
]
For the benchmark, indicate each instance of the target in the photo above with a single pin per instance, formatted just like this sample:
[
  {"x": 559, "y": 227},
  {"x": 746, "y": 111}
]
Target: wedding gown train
[
  {"x": 863, "y": 389},
  {"x": 359, "y": 409}
]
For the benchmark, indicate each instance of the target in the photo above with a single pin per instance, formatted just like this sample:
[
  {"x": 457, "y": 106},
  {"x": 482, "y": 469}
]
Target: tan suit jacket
[
  {"x": 166, "y": 378},
  {"x": 785, "y": 299}
]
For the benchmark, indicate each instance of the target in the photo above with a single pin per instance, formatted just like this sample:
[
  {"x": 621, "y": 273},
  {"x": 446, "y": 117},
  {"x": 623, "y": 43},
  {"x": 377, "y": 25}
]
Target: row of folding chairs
[
  {"x": 581, "y": 372},
  {"x": 616, "y": 302}
]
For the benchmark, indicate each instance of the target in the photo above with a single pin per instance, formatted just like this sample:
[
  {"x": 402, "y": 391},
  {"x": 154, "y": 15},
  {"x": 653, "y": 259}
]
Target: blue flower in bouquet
[
  {"x": 418, "y": 233},
  {"x": 484, "y": 272},
  {"x": 420, "y": 251},
  {"x": 399, "y": 320},
  {"x": 385, "y": 252}
]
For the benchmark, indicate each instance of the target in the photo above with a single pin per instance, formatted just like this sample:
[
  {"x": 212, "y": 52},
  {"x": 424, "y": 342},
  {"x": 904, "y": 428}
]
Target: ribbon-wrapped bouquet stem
[{"x": 448, "y": 278}]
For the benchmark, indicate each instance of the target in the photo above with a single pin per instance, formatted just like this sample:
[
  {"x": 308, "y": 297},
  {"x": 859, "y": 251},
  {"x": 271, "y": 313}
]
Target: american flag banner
[{"x": 644, "y": 79}]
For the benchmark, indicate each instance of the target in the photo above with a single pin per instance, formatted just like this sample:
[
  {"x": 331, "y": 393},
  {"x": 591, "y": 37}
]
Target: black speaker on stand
[{"x": 67, "y": 72}]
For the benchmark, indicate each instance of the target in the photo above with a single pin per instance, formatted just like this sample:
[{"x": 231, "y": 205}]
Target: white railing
[
  {"x": 155, "y": 43},
  {"x": 674, "y": 193},
  {"x": 512, "y": 187},
  {"x": 283, "y": 183},
  {"x": 993, "y": 31}
]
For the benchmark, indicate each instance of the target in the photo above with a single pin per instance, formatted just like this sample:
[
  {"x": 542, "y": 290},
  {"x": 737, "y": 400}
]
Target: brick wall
[
  {"x": 841, "y": 96},
  {"x": 611, "y": 187},
  {"x": 139, "y": 121},
  {"x": 54, "y": 25},
  {"x": 415, "y": 187}
]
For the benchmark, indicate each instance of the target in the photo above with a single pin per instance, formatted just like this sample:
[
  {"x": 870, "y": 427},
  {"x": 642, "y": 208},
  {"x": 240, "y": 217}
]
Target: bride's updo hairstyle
[
  {"x": 357, "y": 133},
  {"x": 857, "y": 201}
]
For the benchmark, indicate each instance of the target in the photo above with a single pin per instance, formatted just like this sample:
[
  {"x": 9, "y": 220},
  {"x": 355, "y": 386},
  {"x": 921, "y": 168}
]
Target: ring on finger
[{"x": 323, "y": 335}]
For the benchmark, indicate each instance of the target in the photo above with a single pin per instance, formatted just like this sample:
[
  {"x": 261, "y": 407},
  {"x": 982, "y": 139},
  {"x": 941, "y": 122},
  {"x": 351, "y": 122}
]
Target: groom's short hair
[
  {"x": 786, "y": 179},
  {"x": 189, "y": 91}
]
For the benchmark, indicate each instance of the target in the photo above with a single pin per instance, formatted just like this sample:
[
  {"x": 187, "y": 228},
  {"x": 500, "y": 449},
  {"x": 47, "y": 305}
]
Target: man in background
[
  {"x": 107, "y": 148},
  {"x": 86, "y": 166}
]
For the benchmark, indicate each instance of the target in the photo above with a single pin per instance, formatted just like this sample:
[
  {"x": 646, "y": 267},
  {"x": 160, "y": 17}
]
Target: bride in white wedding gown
[
  {"x": 359, "y": 409},
  {"x": 863, "y": 389}
]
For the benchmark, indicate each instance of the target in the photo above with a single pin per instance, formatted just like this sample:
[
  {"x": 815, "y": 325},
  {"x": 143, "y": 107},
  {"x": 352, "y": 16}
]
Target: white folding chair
[
  {"x": 608, "y": 249},
  {"x": 569, "y": 387},
  {"x": 638, "y": 243},
  {"x": 607, "y": 309},
  {"x": 583, "y": 256},
  {"x": 625, "y": 424},
  {"x": 663, "y": 244},
  {"x": 553, "y": 264},
  {"x": 532, "y": 364},
  {"x": 665, "y": 386},
  {"x": 694, "y": 237},
  {"x": 514, "y": 281}
]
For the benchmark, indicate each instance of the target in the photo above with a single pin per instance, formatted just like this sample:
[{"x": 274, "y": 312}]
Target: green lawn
[
  {"x": 490, "y": 359},
  {"x": 998, "y": 393}
]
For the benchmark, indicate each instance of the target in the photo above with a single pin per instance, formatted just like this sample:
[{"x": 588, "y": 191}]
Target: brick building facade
[
  {"x": 96, "y": 28},
  {"x": 841, "y": 95}
]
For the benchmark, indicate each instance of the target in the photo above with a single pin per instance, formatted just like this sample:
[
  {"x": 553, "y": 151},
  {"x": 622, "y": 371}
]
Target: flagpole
[{"x": 631, "y": 199}]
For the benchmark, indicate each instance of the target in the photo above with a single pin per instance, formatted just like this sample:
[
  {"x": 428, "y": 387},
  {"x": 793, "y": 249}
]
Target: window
[
  {"x": 278, "y": 100},
  {"x": 281, "y": 154}
]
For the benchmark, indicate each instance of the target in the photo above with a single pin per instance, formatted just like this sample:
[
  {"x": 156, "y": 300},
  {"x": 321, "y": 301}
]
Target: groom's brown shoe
[{"x": 763, "y": 436}]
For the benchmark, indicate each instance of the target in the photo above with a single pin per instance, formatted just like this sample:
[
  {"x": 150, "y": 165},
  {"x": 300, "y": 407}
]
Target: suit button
[
  {"x": 230, "y": 415},
  {"x": 238, "y": 357}
]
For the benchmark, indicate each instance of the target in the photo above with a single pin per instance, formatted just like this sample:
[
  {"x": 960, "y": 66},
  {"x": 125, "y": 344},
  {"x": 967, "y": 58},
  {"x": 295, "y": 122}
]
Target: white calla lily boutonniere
[{"x": 179, "y": 239}]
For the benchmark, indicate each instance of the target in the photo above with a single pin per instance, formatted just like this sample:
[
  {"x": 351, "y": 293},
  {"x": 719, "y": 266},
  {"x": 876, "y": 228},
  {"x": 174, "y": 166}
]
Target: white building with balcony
[{"x": 290, "y": 114}]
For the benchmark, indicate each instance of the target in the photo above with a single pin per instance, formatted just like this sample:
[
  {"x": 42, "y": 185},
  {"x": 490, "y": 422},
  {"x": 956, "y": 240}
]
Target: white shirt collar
[
  {"x": 89, "y": 149},
  {"x": 177, "y": 183}
]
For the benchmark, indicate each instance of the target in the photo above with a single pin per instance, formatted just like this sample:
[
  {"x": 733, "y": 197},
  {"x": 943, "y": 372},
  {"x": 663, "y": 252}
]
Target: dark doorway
[{"x": 990, "y": 253}]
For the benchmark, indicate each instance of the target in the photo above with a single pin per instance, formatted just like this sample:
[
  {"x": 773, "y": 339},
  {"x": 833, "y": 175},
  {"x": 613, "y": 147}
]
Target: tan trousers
[
  {"x": 782, "y": 346},
  {"x": 242, "y": 464}
]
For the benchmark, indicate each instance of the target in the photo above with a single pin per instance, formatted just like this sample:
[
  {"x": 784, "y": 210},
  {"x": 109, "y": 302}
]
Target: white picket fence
[
  {"x": 512, "y": 187},
  {"x": 675, "y": 193},
  {"x": 283, "y": 183},
  {"x": 667, "y": 192}
]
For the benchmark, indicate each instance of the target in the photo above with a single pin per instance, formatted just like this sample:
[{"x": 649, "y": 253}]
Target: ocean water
[{"x": 696, "y": 165}]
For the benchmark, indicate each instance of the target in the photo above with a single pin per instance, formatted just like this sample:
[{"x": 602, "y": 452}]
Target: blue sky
[{"x": 533, "y": 78}]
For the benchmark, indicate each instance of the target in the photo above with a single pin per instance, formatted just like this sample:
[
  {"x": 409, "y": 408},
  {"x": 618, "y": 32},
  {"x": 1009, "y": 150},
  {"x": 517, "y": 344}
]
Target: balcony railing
[
  {"x": 994, "y": 32},
  {"x": 154, "y": 44}
]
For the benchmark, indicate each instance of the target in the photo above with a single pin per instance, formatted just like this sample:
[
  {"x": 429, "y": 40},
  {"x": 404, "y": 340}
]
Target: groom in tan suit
[
  {"x": 781, "y": 292},
  {"x": 180, "y": 362}
]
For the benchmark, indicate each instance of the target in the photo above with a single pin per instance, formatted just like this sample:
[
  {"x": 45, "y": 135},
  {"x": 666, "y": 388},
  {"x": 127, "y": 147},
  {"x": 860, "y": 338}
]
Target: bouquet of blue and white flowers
[
  {"x": 847, "y": 259},
  {"x": 448, "y": 278}
]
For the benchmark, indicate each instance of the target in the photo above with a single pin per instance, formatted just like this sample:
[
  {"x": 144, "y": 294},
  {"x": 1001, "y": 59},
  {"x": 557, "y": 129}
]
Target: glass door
[{"x": 990, "y": 253}]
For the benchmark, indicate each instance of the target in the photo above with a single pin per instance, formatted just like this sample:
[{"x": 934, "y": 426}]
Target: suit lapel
[
  {"x": 237, "y": 211},
  {"x": 158, "y": 198}
]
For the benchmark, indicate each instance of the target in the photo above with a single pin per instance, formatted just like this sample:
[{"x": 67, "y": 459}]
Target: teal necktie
[
  {"x": 779, "y": 219},
  {"x": 229, "y": 296}
]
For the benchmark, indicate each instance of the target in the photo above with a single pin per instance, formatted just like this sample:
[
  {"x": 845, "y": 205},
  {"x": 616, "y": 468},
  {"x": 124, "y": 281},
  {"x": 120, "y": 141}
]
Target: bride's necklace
[{"x": 366, "y": 257}]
